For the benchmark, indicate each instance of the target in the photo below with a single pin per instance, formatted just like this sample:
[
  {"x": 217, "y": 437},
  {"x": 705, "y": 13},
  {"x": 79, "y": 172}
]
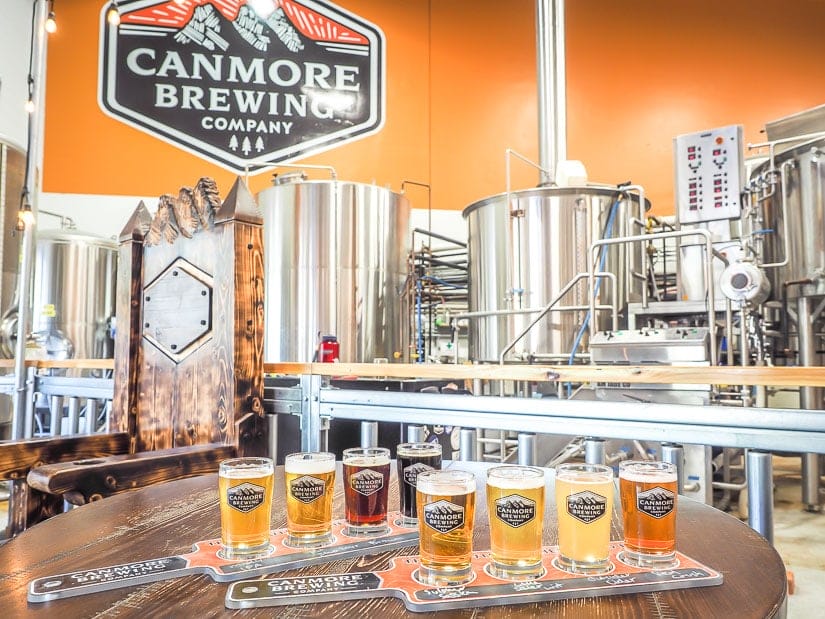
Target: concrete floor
[{"x": 799, "y": 537}]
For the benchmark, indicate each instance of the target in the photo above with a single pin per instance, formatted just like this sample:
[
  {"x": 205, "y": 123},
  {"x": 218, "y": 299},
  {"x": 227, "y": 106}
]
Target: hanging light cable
[{"x": 113, "y": 14}]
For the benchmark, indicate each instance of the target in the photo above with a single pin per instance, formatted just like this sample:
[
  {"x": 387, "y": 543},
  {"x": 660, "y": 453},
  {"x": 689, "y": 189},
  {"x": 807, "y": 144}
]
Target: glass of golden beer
[
  {"x": 366, "y": 488},
  {"x": 310, "y": 477},
  {"x": 245, "y": 488},
  {"x": 515, "y": 504},
  {"x": 446, "y": 510},
  {"x": 584, "y": 502},
  {"x": 648, "y": 491}
]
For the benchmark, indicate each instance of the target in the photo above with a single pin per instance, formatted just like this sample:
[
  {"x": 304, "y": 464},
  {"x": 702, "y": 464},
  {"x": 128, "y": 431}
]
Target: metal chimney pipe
[{"x": 552, "y": 90}]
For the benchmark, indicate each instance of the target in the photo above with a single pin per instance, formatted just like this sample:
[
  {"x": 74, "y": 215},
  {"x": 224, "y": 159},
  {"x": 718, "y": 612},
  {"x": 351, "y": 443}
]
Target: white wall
[{"x": 15, "y": 35}]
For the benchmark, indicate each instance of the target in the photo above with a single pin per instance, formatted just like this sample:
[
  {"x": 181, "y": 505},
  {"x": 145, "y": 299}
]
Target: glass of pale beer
[
  {"x": 446, "y": 510},
  {"x": 515, "y": 504},
  {"x": 366, "y": 488},
  {"x": 245, "y": 489},
  {"x": 648, "y": 491},
  {"x": 310, "y": 477},
  {"x": 584, "y": 502},
  {"x": 412, "y": 459}
]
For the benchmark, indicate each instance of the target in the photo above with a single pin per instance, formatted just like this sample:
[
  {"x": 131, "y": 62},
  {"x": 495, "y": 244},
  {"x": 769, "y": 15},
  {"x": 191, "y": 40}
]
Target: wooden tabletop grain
[{"x": 166, "y": 519}]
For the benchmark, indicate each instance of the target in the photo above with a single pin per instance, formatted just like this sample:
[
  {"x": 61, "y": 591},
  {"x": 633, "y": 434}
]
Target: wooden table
[{"x": 166, "y": 519}]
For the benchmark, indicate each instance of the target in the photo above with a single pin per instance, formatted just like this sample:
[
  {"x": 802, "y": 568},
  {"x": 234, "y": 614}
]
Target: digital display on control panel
[{"x": 709, "y": 174}]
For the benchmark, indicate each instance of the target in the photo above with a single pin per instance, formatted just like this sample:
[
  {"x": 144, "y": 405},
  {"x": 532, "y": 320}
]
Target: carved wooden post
[{"x": 192, "y": 368}]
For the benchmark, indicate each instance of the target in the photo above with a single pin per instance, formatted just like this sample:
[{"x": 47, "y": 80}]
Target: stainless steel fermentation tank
[
  {"x": 74, "y": 295},
  {"x": 12, "y": 172},
  {"x": 523, "y": 251},
  {"x": 335, "y": 257}
]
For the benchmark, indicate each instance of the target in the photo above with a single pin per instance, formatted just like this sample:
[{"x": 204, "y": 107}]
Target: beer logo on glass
[
  {"x": 443, "y": 516},
  {"x": 245, "y": 497},
  {"x": 586, "y": 506},
  {"x": 240, "y": 82},
  {"x": 307, "y": 488},
  {"x": 515, "y": 510},
  {"x": 366, "y": 482},
  {"x": 412, "y": 472},
  {"x": 657, "y": 502}
]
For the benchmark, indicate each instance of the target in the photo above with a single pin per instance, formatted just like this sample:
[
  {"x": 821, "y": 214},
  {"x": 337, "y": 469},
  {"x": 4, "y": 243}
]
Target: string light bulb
[
  {"x": 29, "y": 107},
  {"x": 113, "y": 15},
  {"x": 51, "y": 23}
]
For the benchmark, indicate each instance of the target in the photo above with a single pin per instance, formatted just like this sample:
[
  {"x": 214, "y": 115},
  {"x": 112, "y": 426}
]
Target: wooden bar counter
[{"x": 167, "y": 519}]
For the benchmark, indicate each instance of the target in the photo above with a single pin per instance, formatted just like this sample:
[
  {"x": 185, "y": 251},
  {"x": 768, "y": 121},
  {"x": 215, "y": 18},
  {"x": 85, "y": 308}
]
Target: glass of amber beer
[
  {"x": 446, "y": 510},
  {"x": 412, "y": 459},
  {"x": 584, "y": 502},
  {"x": 245, "y": 488},
  {"x": 310, "y": 477},
  {"x": 515, "y": 504},
  {"x": 366, "y": 487},
  {"x": 648, "y": 491}
]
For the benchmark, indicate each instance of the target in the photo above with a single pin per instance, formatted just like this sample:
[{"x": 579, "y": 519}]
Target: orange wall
[{"x": 461, "y": 89}]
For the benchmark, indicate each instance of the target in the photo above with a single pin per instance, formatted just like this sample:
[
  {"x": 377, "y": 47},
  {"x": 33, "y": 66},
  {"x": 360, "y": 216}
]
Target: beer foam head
[
  {"x": 648, "y": 472},
  {"x": 322, "y": 462},
  {"x": 419, "y": 449},
  {"x": 515, "y": 478},
  {"x": 448, "y": 482},
  {"x": 378, "y": 460},
  {"x": 584, "y": 473},
  {"x": 236, "y": 468}
]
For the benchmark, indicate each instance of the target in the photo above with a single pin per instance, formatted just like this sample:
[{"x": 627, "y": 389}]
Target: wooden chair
[{"x": 188, "y": 382}]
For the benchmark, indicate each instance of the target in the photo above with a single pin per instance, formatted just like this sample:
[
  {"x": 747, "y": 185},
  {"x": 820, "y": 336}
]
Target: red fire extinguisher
[{"x": 328, "y": 349}]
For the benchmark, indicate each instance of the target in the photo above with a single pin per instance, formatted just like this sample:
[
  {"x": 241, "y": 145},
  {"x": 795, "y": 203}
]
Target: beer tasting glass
[
  {"x": 366, "y": 487},
  {"x": 584, "y": 502},
  {"x": 446, "y": 509},
  {"x": 648, "y": 492},
  {"x": 515, "y": 504},
  {"x": 412, "y": 459},
  {"x": 245, "y": 489},
  {"x": 310, "y": 477}
]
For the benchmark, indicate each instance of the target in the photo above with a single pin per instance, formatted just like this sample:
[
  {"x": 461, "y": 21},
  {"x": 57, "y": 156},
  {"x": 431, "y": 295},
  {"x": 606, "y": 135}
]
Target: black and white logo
[
  {"x": 443, "y": 516},
  {"x": 412, "y": 472},
  {"x": 245, "y": 497},
  {"x": 515, "y": 510},
  {"x": 242, "y": 82},
  {"x": 586, "y": 506},
  {"x": 366, "y": 481},
  {"x": 307, "y": 488},
  {"x": 657, "y": 502}
]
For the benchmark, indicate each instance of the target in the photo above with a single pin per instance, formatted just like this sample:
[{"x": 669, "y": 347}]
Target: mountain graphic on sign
[
  {"x": 201, "y": 22},
  {"x": 207, "y": 23},
  {"x": 246, "y": 491}
]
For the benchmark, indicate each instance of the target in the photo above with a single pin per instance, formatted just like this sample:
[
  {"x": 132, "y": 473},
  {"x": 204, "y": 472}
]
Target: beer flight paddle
[
  {"x": 205, "y": 559},
  {"x": 401, "y": 581}
]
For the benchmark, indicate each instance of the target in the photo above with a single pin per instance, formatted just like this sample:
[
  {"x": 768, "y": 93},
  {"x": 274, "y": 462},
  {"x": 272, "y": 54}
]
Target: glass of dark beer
[
  {"x": 412, "y": 459},
  {"x": 366, "y": 487}
]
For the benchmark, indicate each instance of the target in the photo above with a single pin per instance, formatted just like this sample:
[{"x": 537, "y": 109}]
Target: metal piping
[
  {"x": 552, "y": 95},
  {"x": 28, "y": 219}
]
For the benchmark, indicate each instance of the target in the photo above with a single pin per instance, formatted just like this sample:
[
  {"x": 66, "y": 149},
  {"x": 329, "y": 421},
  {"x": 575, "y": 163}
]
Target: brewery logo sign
[
  {"x": 515, "y": 510},
  {"x": 586, "y": 506},
  {"x": 443, "y": 516},
  {"x": 366, "y": 482},
  {"x": 657, "y": 502},
  {"x": 307, "y": 488},
  {"x": 245, "y": 497},
  {"x": 243, "y": 83},
  {"x": 412, "y": 472}
]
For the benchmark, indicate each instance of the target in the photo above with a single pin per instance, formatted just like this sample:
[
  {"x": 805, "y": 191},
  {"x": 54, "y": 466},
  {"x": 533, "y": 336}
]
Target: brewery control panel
[
  {"x": 665, "y": 345},
  {"x": 709, "y": 174}
]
